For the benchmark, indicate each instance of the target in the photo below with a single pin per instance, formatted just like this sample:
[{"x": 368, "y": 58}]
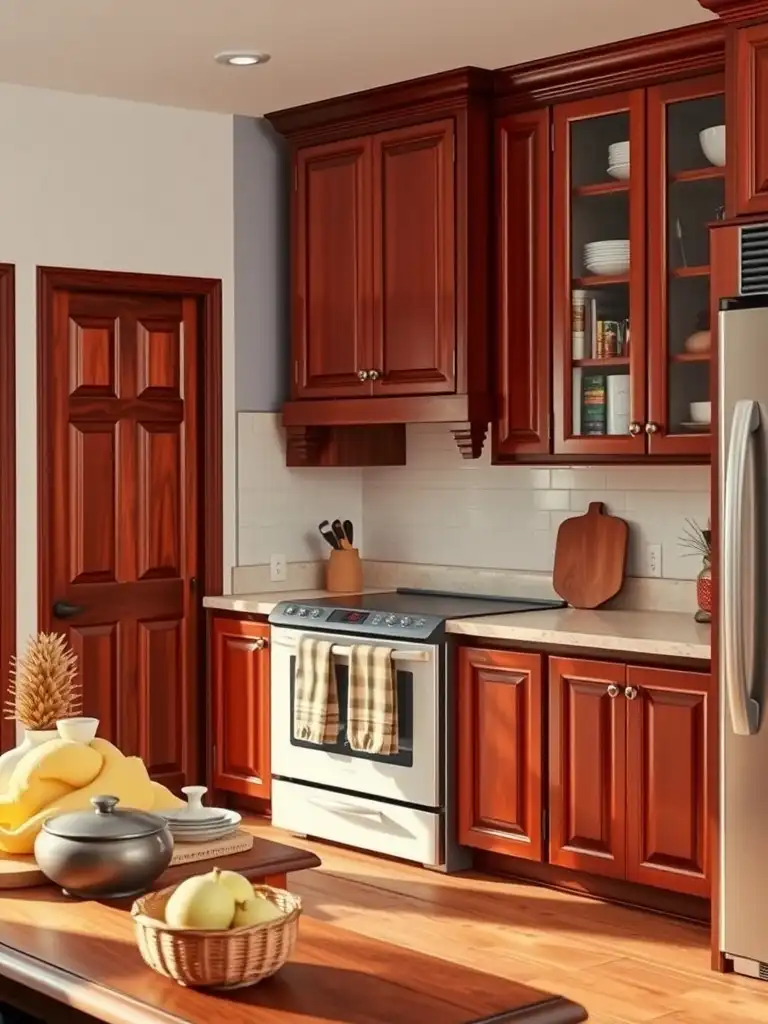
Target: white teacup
[
  {"x": 701, "y": 412},
  {"x": 79, "y": 730}
]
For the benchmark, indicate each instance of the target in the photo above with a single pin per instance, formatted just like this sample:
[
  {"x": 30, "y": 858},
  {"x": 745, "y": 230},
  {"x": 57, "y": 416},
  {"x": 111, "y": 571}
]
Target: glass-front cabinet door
[
  {"x": 599, "y": 270},
  {"x": 686, "y": 193}
]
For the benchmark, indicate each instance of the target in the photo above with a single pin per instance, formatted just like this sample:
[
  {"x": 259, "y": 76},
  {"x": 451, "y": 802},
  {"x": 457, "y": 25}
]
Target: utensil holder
[{"x": 344, "y": 572}]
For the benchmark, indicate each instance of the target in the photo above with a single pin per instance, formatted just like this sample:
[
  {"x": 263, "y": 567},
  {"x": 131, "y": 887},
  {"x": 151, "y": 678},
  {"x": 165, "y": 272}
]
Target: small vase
[
  {"x": 704, "y": 593},
  {"x": 79, "y": 730},
  {"x": 9, "y": 760}
]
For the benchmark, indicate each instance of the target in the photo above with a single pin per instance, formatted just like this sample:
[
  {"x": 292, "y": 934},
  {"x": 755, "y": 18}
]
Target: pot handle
[{"x": 104, "y": 804}]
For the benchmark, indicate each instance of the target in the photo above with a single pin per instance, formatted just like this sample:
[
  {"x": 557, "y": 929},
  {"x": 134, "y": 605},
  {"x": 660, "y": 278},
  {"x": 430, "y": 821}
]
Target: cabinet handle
[
  {"x": 613, "y": 690},
  {"x": 362, "y": 374},
  {"x": 630, "y": 692},
  {"x": 373, "y": 375},
  {"x": 635, "y": 429},
  {"x": 259, "y": 644},
  {"x": 651, "y": 428}
]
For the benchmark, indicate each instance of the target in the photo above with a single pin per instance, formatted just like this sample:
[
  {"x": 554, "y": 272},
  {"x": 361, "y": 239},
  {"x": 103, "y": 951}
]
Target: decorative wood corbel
[{"x": 470, "y": 438}]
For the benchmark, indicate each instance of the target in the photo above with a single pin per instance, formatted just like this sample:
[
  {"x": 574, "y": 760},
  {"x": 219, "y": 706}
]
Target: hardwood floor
[{"x": 625, "y": 966}]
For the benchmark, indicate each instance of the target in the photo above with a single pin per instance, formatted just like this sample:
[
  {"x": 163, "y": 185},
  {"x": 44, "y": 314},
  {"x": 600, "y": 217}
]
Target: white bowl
[
  {"x": 618, "y": 265},
  {"x": 701, "y": 412},
  {"x": 79, "y": 730},
  {"x": 608, "y": 244},
  {"x": 619, "y": 171},
  {"x": 713, "y": 143},
  {"x": 618, "y": 152}
]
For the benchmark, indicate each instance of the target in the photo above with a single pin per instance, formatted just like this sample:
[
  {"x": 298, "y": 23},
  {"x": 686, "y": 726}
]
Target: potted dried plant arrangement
[
  {"x": 698, "y": 541},
  {"x": 43, "y": 690}
]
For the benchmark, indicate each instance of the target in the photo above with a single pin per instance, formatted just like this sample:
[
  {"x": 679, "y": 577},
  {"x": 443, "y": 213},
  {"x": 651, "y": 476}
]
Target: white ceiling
[{"x": 161, "y": 51}]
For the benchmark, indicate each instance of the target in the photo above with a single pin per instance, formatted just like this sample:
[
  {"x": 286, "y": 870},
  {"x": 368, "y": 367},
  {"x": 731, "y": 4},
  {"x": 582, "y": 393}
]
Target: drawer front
[{"x": 357, "y": 821}]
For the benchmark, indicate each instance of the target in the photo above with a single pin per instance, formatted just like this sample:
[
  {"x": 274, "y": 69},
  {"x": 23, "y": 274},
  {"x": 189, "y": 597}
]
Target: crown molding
[{"x": 737, "y": 10}]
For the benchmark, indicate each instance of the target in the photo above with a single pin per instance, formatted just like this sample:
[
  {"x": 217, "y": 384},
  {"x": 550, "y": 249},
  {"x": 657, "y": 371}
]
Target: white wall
[{"x": 112, "y": 185}]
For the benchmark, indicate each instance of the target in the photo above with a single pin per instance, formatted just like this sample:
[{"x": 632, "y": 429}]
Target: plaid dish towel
[
  {"x": 316, "y": 698},
  {"x": 372, "y": 725}
]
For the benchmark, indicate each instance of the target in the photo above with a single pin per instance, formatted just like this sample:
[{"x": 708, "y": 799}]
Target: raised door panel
[
  {"x": 241, "y": 707},
  {"x": 162, "y": 701},
  {"x": 667, "y": 841},
  {"x": 587, "y": 766},
  {"x": 499, "y": 753},
  {"x": 96, "y": 649},
  {"x": 524, "y": 394},
  {"x": 414, "y": 260},
  {"x": 332, "y": 270},
  {"x": 747, "y": 117}
]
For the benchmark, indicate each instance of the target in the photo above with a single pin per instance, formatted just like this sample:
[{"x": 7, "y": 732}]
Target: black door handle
[{"x": 65, "y": 610}]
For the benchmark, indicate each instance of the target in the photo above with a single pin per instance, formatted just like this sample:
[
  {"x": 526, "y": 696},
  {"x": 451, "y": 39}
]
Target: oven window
[{"x": 404, "y": 755}]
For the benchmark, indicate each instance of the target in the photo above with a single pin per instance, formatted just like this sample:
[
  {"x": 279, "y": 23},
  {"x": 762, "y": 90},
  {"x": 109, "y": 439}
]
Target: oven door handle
[
  {"x": 352, "y": 812},
  {"x": 342, "y": 651}
]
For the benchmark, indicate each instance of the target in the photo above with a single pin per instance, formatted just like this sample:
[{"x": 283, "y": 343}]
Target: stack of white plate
[
  {"x": 608, "y": 257},
  {"x": 215, "y": 823},
  {"x": 618, "y": 160}
]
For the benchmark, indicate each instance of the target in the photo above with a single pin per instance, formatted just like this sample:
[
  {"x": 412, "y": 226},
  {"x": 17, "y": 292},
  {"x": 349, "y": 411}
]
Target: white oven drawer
[{"x": 357, "y": 821}]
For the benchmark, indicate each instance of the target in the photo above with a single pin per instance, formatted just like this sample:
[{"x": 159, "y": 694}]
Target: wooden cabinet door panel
[
  {"x": 414, "y": 260},
  {"x": 747, "y": 117},
  {"x": 524, "y": 392},
  {"x": 667, "y": 842},
  {"x": 587, "y": 765},
  {"x": 240, "y": 668},
  {"x": 499, "y": 753},
  {"x": 332, "y": 269}
]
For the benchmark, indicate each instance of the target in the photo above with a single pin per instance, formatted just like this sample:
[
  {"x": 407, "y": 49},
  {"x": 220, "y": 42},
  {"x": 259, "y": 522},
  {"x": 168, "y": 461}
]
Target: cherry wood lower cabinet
[
  {"x": 499, "y": 752},
  {"x": 240, "y": 687}
]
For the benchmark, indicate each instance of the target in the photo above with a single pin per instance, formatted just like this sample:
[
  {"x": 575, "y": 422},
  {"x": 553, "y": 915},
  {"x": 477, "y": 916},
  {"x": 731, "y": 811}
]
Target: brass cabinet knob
[
  {"x": 613, "y": 690},
  {"x": 260, "y": 644},
  {"x": 373, "y": 374},
  {"x": 362, "y": 374},
  {"x": 635, "y": 429},
  {"x": 651, "y": 428},
  {"x": 630, "y": 692}
]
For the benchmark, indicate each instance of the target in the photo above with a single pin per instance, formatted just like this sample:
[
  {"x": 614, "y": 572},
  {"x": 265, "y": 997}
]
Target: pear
[
  {"x": 200, "y": 902},
  {"x": 237, "y": 884},
  {"x": 256, "y": 910}
]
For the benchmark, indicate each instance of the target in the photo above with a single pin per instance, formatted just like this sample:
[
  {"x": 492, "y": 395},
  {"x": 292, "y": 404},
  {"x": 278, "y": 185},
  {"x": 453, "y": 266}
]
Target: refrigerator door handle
[{"x": 745, "y": 710}]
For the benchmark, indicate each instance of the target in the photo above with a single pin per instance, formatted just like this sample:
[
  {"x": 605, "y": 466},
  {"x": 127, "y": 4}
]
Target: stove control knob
[
  {"x": 303, "y": 612},
  {"x": 420, "y": 622},
  {"x": 375, "y": 620},
  {"x": 315, "y": 613},
  {"x": 391, "y": 620},
  {"x": 406, "y": 620},
  {"x": 290, "y": 610}
]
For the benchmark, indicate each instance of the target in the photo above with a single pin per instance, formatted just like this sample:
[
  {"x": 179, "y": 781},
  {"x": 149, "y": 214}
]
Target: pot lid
[{"x": 107, "y": 821}]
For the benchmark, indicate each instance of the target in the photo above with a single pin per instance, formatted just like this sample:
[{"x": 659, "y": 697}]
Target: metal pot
[{"x": 109, "y": 854}]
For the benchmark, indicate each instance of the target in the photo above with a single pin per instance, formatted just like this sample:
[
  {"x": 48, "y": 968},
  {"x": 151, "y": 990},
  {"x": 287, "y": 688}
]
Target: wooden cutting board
[{"x": 590, "y": 557}]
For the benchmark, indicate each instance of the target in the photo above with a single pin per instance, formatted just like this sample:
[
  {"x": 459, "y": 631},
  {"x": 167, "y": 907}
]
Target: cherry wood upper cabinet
[
  {"x": 667, "y": 835},
  {"x": 414, "y": 260},
  {"x": 587, "y": 766},
  {"x": 747, "y": 137},
  {"x": 523, "y": 291},
  {"x": 332, "y": 268},
  {"x": 499, "y": 752},
  {"x": 240, "y": 697}
]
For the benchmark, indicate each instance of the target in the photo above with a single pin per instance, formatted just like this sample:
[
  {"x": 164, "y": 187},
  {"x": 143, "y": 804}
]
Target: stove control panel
[{"x": 355, "y": 620}]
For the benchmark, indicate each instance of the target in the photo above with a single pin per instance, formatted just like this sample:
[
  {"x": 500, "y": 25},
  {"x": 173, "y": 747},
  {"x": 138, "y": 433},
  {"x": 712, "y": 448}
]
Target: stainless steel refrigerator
[{"x": 743, "y": 623}]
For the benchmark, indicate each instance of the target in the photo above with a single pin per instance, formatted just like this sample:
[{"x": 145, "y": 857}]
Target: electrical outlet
[
  {"x": 278, "y": 569},
  {"x": 652, "y": 560}
]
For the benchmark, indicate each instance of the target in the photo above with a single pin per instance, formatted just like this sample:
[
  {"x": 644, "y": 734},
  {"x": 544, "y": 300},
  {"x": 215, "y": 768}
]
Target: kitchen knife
[
  {"x": 328, "y": 535},
  {"x": 349, "y": 531},
  {"x": 341, "y": 537}
]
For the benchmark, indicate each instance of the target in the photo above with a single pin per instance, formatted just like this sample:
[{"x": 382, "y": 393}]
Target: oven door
[{"x": 411, "y": 775}]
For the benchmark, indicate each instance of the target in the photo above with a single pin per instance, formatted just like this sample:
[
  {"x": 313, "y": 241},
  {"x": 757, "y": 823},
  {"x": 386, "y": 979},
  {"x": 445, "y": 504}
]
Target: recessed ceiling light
[{"x": 242, "y": 58}]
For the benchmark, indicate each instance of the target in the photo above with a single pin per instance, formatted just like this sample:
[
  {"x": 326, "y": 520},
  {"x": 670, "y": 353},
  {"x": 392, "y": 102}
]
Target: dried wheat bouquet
[{"x": 43, "y": 686}]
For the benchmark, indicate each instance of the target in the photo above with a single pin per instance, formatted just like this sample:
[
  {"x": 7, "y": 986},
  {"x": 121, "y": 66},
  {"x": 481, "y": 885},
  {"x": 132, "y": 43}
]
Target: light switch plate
[
  {"x": 652, "y": 560},
  {"x": 278, "y": 569}
]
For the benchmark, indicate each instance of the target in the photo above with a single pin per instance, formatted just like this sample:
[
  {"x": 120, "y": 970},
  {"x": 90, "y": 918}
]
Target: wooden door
[
  {"x": 667, "y": 834},
  {"x": 119, "y": 527},
  {"x": 499, "y": 752},
  {"x": 7, "y": 493},
  {"x": 524, "y": 391},
  {"x": 599, "y": 297},
  {"x": 414, "y": 260},
  {"x": 240, "y": 681},
  {"x": 685, "y": 192},
  {"x": 587, "y": 765},
  {"x": 747, "y": 116},
  {"x": 332, "y": 318}
]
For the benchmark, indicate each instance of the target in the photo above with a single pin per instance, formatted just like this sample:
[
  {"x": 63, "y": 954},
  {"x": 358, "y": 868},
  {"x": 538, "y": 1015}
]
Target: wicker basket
[{"x": 216, "y": 959}]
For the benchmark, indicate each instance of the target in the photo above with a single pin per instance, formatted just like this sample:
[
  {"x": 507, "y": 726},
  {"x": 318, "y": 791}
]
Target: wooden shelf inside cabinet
[
  {"x": 691, "y": 357},
  {"x": 600, "y": 280},
  {"x": 602, "y": 188},
  {"x": 605, "y": 361},
  {"x": 699, "y": 174},
  {"x": 690, "y": 271}
]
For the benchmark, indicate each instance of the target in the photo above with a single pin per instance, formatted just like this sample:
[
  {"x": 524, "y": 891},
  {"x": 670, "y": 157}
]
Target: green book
[{"x": 593, "y": 404}]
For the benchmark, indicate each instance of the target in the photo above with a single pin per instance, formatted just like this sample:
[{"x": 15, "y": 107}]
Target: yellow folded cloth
[
  {"x": 36, "y": 789},
  {"x": 372, "y": 718},
  {"x": 315, "y": 698}
]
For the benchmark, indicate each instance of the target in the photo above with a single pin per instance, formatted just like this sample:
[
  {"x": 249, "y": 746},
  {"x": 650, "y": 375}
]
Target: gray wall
[{"x": 261, "y": 183}]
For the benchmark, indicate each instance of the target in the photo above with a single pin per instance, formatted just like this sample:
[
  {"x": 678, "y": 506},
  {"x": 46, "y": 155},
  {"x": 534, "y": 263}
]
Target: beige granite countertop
[
  {"x": 263, "y": 604},
  {"x": 671, "y": 634}
]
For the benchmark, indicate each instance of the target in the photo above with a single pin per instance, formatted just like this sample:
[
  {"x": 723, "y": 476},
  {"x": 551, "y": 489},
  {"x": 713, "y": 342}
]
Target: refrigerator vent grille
[
  {"x": 754, "y": 259},
  {"x": 763, "y": 971}
]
